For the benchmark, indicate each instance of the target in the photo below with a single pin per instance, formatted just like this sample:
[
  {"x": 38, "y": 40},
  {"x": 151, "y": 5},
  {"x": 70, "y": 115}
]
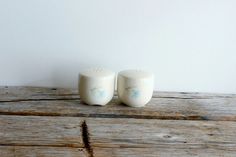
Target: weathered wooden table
[{"x": 54, "y": 123}]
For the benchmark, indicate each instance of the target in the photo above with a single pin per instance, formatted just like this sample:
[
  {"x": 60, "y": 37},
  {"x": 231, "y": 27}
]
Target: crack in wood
[{"x": 86, "y": 138}]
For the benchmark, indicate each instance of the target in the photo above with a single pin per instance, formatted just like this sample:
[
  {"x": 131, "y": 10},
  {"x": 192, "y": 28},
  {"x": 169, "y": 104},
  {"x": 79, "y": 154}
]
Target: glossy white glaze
[
  {"x": 135, "y": 87},
  {"x": 96, "y": 86}
]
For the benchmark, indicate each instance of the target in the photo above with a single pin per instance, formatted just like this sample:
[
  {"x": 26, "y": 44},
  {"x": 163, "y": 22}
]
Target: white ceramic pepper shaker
[
  {"x": 135, "y": 87},
  {"x": 96, "y": 86}
]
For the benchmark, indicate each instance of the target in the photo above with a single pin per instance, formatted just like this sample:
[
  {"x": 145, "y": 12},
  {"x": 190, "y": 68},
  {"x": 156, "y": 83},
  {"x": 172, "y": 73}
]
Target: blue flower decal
[
  {"x": 133, "y": 92},
  {"x": 98, "y": 92}
]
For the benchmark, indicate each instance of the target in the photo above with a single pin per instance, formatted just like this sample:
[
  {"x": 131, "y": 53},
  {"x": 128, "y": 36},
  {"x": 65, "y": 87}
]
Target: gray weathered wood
[
  {"x": 27, "y": 151},
  {"x": 42, "y": 151},
  {"x": 142, "y": 133},
  {"x": 47, "y": 122},
  {"x": 111, "y": 134},
  {"x": 164, "y": 105},
  {"x": 163, "y": 152},
  {"x": 40, "y": 131},
  {"x": 8, "y": 93},
  {"x": 12, "y": 93}
]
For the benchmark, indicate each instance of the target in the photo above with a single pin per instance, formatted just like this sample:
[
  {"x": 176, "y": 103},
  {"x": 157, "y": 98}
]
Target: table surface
[{"x": 53, "y": 122}]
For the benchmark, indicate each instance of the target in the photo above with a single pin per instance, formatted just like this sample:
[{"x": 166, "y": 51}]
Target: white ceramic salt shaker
[
  {"x": 96, "y": 86},
  {"x": 135, "y": 87}
]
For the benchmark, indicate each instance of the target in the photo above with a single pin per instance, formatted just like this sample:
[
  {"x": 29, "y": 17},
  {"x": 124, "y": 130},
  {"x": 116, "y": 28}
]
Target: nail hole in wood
[{"x": 167, "y": 136}]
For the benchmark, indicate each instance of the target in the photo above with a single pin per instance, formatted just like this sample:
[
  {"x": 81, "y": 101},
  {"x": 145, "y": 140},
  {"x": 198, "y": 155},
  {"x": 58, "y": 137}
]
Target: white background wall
[{"x": 190, "y": 45}]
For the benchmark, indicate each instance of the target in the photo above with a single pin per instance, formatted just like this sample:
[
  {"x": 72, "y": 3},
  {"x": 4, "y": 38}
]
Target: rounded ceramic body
[
  {"x": 96, "y": 86},
  {"x": 135, "y": 87}
]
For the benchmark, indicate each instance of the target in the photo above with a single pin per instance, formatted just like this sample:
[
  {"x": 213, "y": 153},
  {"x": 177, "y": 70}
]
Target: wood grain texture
[
  {"x": 42, "y": 151},
  {"x": 40, "y": 131},
  {"x": 164, "y": 105},
  {"x": 163, "y": 152},
  {"x": 148, "y": 133},
  {"x": 111, "y": 134},
  {"x": 14, "y": 93},
  {"x": 8, "y": 93},
  {"x": 49, "y": 122}
]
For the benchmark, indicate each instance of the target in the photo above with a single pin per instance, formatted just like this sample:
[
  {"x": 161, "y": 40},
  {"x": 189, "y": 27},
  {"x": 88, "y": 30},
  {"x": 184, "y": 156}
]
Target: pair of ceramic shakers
[{"x": 134, "y": 87}]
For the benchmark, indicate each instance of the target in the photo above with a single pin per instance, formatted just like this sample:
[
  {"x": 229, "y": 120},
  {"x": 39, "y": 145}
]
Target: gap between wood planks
[
  {"x": 85, "y": 135},
  {"x": 193, "y": 117},
  {"x": 62, "y": 99}
]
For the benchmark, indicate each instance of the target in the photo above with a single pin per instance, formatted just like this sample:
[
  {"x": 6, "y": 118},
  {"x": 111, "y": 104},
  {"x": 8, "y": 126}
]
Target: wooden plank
[
  {"x": 23, "y": 151},
  {"x": 162, "y": 152},
  {"x": 54, "y": 122},
  {"x": 8, "y": 93},
  {"x": 191, "y": 95},
  {"x": 15, "y": 93},
  {"x": 106, "y": 136},
  {"x": 132, "y": 137},
  {"x": 40, "y": 131},
  {"x": 32, "y": 151},
  {"x": 164, "y": 105},
  {"x": 213, "y": 108},
  {"x": 142, "y": 133}
]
